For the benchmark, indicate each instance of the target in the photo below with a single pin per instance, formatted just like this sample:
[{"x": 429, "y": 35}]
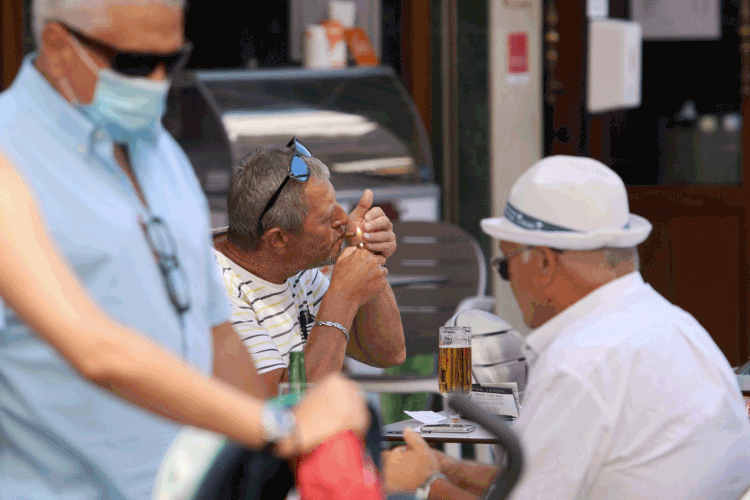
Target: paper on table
[
  {"x": 495, "y": 400},
  {"x": 511, "y": 385},
  {"x": 426, "y": 417}
]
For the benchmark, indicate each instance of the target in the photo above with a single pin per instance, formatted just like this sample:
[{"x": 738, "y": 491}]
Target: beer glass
[{"x": 454, "y": 364}]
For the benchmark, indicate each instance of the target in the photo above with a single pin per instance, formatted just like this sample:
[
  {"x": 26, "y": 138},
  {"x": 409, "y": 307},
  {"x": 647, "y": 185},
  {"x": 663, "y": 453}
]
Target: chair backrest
[
  {"x": 497, "y": 349},
  {"x": 435, "y": 267}
]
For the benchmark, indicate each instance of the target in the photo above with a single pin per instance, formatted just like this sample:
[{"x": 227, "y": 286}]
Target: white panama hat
[{"x": 570, "y": 203}]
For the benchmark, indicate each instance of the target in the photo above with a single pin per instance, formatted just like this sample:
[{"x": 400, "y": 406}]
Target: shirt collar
[
  {"x": 242, "y": 275},
  {"x": 69, "y": 125},
  {"x": 607, "y": 294}
]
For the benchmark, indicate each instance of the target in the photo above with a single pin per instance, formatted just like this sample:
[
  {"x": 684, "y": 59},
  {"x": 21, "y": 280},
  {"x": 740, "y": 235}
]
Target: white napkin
[{"x": 426, "y": 417}]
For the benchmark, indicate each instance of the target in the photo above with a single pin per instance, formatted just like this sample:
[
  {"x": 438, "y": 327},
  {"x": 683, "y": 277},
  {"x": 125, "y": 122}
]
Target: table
[
  {"x": 480, "y": 438},
  {"x": 395, "y": 432}
]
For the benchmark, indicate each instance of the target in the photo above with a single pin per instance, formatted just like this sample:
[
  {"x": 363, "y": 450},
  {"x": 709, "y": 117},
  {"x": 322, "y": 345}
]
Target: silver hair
[
  {"x": 613, "y": 256},
  {"x": 82, "y": 14},
  {"x": 254, "y": 181},
  {"x": 616, "y": 256}
]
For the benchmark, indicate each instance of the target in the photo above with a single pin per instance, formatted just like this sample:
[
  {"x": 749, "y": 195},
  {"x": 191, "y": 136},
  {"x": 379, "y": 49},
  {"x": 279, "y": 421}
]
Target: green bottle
[{"x": 297, "y": 376}]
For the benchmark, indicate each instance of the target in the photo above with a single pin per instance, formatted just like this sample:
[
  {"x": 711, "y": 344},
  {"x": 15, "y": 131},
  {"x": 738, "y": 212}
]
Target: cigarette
[{"x": 358, "y": 232}]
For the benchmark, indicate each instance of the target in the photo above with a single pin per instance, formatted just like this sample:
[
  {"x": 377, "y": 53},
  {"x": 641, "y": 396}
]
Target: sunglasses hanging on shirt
[
  {"x": 305, "y": 322},
  {"x": 306, "y": 319}
]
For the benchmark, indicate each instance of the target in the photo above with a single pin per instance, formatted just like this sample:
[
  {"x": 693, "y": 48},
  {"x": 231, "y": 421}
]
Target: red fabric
[{"x": 339, "y": 469}]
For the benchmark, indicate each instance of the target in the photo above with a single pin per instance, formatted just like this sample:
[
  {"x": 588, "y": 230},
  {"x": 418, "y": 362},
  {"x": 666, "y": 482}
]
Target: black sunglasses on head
[
  {"x": 135, "y": 63},
  {"x": 298, "y": 170}
]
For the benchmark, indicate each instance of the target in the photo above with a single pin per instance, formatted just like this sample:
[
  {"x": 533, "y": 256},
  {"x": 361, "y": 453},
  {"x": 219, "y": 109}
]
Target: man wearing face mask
[{"x": 82, "y": 125}]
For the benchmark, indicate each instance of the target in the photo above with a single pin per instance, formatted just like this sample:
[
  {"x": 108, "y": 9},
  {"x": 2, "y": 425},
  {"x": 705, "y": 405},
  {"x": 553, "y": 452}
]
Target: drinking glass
[{"x": 454, "y": 365}]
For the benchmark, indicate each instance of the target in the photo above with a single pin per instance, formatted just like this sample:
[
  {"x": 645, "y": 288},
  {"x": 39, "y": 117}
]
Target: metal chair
[{"x": 510, "y": 472}]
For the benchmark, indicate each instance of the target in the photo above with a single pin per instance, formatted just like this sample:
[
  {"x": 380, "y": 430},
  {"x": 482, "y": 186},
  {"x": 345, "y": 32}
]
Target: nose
[
  {"x": 341, "y": 218},
  {"x": 159, "y": 74}
]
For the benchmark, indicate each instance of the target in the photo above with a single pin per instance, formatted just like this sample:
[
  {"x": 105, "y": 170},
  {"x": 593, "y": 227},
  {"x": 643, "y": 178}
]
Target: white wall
[{"x": 515, "y": 117}]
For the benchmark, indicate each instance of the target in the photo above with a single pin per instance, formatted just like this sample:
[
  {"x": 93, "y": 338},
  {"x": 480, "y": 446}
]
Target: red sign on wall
[{"x": 518, "y": 53}]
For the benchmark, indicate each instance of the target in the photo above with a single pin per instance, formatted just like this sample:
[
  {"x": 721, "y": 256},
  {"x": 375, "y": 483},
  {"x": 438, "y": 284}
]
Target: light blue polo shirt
[{"x": 60, "y": 435}]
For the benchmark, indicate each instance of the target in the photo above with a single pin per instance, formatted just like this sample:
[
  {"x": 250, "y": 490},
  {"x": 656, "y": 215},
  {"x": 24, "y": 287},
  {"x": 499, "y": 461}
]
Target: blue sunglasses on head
[{"x": 298, "y": 170}]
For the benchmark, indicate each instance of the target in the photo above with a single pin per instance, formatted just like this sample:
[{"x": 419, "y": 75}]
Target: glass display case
[{"x": 360, "y": 122}]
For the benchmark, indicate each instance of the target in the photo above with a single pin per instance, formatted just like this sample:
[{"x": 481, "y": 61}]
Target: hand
[
  {"x": 405, "y": 468},
  {"x": 378, "y": 234},
  {"x": 359, "y": 274},
  {"x": 333, "y": 405},
  {"x": 444, "y": 461}
]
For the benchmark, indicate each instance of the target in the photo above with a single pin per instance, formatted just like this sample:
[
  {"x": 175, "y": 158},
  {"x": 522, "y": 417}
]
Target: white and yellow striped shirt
[{"x": 266, "y": 315}]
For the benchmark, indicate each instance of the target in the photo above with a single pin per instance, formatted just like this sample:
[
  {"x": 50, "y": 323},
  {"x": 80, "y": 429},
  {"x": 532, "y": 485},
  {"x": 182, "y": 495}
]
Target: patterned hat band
[{"x": 530, "y": 223}]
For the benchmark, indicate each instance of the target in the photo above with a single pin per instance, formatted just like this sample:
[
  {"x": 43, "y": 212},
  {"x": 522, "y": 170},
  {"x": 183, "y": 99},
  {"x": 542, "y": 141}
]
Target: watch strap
[{"x": 423, "y": 492}]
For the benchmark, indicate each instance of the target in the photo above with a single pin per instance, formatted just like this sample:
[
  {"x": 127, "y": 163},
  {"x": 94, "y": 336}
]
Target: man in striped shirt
[{"x": 284, "y": 223}]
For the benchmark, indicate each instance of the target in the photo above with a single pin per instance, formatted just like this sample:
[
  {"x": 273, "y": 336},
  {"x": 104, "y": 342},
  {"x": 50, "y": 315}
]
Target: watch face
[{"x": 278, "y": 422}]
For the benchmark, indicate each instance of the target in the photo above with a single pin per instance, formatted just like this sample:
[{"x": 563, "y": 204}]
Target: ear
[
  {"x": 276, "y": 239},
  {"x": 548, "y": 262},
  {"x": 56, "y": 49}
]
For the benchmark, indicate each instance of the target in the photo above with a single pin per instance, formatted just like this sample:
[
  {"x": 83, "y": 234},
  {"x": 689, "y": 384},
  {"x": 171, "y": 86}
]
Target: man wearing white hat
[{"x": 628, "y": 396}]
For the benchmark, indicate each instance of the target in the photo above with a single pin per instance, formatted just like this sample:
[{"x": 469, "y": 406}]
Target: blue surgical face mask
[{"x": 126, "y": 107}]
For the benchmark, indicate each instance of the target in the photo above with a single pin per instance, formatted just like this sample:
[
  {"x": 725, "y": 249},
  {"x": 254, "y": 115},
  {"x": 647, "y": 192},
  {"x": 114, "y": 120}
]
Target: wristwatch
[
  {"x": 277, "y": 421},
  {"x": 423, "y": 491}
]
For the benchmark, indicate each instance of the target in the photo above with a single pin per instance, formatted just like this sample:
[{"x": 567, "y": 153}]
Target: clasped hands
[
  {"x": 362, "y": 270},
  {"x": 377, "y": 228}
]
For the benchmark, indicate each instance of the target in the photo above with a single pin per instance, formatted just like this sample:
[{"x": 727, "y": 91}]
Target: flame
[{"x": 359, "y": 232}]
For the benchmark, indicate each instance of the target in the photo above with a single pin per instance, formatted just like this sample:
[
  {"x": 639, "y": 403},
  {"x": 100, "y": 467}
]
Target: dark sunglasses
[
  {"x": 162, "y": 244},
  {"x": 135, "y": 63},
  {"x": 502, "y": 264},
  {"x": 298, "y": 170}
]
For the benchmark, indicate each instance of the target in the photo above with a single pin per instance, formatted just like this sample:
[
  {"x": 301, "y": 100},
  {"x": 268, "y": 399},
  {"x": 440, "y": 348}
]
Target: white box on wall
[{"x": 614, "y": 69}]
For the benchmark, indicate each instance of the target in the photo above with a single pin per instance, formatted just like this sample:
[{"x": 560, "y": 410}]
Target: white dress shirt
[{"x": 630, "y": 398}]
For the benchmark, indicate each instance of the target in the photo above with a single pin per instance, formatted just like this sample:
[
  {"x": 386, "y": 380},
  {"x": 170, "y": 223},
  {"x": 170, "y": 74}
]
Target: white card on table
[
  {"x": 426, "y": 417},
  {"x": 495, "y": 400}
]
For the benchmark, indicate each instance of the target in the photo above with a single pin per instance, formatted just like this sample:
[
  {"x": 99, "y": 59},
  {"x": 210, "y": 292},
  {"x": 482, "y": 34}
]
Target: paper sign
[
  {"x": 518, "y": 53},
  {"x": 495, "y": 400},
  {"x": 360, "y": 47},
  {"x": 508, "y": 385},
  {"x": 518, "y": 59},
  {"x": 426, "y": 417}
]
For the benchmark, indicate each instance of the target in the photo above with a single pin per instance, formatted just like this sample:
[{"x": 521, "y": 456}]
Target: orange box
[{"x": 361, "y": 47}]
